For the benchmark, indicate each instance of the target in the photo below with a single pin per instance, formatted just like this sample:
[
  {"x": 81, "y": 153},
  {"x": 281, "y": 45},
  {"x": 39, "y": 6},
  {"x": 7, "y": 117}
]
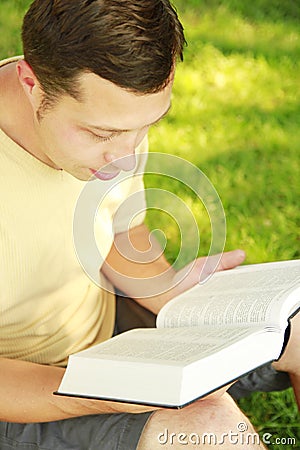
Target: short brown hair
[{"x": 132, "y": 43}]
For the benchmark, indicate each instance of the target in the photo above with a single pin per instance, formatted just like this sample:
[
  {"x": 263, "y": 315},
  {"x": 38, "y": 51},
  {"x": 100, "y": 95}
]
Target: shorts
[
  {"x": 116, "y": 431},
  {"x": 97, "y": 432}
]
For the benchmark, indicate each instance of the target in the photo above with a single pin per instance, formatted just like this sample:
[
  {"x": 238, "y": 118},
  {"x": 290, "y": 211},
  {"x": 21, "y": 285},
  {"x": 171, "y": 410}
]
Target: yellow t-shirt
[{"x": 49, "y": 306}]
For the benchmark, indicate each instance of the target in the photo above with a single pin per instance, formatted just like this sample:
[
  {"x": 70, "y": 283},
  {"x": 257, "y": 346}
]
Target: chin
[
  {"x": 81, "y": 177},
  {"x": 78, "y": 174}
]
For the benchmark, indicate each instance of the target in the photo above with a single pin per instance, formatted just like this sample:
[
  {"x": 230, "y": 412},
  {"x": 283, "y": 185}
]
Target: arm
[
  {"x": 26, "y": 389},
  {"x": 26, "y": 392},
  {"x": 137, "y": 266}
]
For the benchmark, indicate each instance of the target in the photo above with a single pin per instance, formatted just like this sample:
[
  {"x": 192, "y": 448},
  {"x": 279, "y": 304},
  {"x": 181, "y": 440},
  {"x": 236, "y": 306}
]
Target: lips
[{"x": 104, "y": 176}]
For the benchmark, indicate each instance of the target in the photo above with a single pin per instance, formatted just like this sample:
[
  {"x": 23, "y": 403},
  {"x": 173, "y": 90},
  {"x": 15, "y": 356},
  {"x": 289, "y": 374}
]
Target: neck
[{"x": 17, "y": 116}]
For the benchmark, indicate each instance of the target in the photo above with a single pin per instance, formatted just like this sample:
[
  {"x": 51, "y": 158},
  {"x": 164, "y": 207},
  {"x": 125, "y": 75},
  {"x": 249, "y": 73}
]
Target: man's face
[{"x": 91, "y": 135}]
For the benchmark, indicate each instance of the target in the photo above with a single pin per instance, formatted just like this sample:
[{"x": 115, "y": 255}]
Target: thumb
[{"x": 231, "y": 259}]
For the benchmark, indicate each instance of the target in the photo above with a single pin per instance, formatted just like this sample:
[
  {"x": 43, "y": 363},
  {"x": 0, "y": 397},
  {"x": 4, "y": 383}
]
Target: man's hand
[
  {"x": 196, "y": 272},
  {"x": 199, "y": 270}
]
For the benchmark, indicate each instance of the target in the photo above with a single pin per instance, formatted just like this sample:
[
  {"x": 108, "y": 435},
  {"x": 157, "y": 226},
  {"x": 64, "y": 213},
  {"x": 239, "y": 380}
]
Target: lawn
[{"x": 236, "y": 116}]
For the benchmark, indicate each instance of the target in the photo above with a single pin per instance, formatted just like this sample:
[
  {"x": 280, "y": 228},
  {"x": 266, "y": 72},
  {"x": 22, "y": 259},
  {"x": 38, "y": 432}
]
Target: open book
[{"x": 205, "y": 338}]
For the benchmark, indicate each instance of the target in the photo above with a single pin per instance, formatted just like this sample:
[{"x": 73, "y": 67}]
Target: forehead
[{"x": 101, "y": 99}]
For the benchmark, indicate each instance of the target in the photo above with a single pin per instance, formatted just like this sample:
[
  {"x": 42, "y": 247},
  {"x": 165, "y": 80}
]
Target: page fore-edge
[{"x": 162, "y": 405}]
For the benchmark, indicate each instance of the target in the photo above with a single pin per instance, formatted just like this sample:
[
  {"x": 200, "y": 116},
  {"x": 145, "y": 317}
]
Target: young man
[{"x": 95, "y": 76}]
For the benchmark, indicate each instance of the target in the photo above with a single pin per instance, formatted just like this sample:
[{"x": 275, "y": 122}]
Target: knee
[
  {"x": 214, "y": 414},
  {"x": 215, "y": 417}
]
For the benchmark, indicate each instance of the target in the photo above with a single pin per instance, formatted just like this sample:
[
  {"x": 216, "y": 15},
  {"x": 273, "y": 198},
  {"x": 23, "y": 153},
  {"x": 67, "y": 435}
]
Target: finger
[
  {"x": 231, "y": 259},
  {"x": 224, "y": 261}
]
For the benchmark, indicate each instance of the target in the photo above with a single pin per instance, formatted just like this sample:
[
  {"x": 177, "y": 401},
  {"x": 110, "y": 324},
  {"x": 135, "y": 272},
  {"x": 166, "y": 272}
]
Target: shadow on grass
[
  {"x": 272, "y": 48},
  {"x": 255, "y": 10},
  {"x": 286, "y": 115},
  {"x": 259, "y": 28}
]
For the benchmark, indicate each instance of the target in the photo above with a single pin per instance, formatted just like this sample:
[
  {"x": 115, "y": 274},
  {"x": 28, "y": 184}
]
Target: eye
[{"x": 100, "y": 138}]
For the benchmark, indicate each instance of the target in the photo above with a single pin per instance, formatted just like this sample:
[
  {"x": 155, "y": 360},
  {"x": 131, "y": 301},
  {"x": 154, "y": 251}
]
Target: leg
[
  {"x": 290, "y": 360},
  {"x": 263, "y": 379},
  {"x": 215, "y": 422},
  {"x": 295, "y": 379},
  {"x": 129, "y": 315}
]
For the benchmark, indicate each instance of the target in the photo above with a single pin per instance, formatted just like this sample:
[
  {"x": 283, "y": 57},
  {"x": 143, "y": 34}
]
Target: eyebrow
[{"x": 119, "y": 130}]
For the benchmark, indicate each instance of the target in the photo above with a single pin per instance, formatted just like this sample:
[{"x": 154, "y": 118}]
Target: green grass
[
  {"x": 236, "y": 116},
  {"x": 12, "y": 12}
]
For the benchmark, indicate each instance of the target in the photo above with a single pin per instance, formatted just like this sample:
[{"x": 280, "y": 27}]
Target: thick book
[{"x": 205, "y": 338}]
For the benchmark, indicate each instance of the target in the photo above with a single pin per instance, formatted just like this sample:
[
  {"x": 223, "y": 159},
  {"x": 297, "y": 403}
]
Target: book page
[
  {"x": 168, "y": 345},
  {"x": 249, "y": 294}
]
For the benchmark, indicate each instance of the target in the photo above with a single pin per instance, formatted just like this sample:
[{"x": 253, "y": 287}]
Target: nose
[
  {"x": 123, "y": 158},
  {"x": 126, "y": 162}
]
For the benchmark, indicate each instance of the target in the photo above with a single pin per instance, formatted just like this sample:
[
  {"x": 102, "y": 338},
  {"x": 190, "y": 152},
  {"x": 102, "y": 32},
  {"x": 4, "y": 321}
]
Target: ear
[{"x": 29, "y": 83}]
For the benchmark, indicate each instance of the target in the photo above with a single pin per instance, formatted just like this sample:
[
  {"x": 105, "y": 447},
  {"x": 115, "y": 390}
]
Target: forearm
[
  {"x": 140, "y": 269},
  {"x": 26, "y": 392}
]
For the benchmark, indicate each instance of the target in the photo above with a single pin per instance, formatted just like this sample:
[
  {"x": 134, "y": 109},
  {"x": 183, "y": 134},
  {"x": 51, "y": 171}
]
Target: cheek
[
  {"x": 69, "y": 137},
  {"x": 79, "y": 147},
  {"x": 67, "y": 141}
]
